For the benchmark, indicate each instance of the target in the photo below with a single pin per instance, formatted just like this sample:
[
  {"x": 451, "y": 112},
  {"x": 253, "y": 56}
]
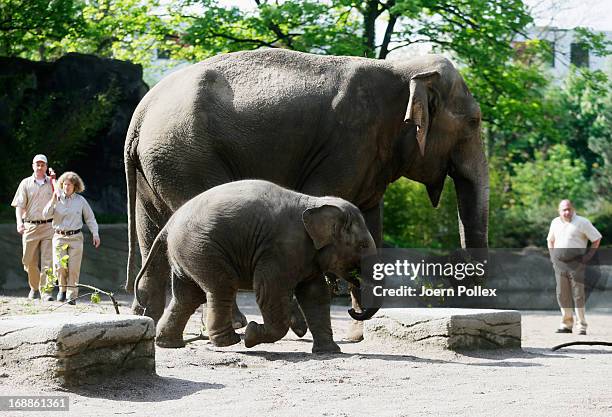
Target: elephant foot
[
  {"x": 298, "y": 324},
  {"x": 169, "y": 342},
  {"x": 137, "y": 310},
  {"x": 355, "y": 331},
  {"x": 225, "y": 339},
  {"x": 239, "y": 320},
  {"x": 252, "y": 335},
  {"x": 326, "y": 347}
]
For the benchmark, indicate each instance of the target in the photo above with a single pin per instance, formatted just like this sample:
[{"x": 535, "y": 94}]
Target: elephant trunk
[
  {"x": 471, "y": 177},
  {"x": 366, "y": 314},
  {"x": 357, "y": 312}
]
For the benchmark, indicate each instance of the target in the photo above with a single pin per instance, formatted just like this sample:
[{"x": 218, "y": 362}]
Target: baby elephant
[{"x": 255, "y": 234}]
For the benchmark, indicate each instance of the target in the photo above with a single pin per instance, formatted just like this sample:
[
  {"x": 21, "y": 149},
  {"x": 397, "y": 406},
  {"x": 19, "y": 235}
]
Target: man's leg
[
  {"x": 577, "y": 282},
  {"x": 564, "y": 298},
  {"x": 31, "y": 257}
]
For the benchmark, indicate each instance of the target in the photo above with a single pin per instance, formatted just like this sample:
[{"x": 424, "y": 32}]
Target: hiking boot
[
  {"x": 61, "y": 296},
  {"x": 563, "y": 330},
  {"x": 33, "y": 294}
]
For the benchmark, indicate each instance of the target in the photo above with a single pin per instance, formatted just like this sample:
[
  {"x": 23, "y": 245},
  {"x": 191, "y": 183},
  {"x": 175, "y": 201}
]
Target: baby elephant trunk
[
  {"x": 366, "y": 314},
  {"x": 362, "y": 285}
]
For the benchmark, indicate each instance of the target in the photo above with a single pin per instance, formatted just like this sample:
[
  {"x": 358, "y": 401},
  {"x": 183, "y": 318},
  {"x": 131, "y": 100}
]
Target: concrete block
[
  {"x": 72, "y": 349},
  {"x": 447, "y": 328}
]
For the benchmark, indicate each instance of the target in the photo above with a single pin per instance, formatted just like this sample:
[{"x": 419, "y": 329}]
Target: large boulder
[
  {"x": 446, "y": 328},
  {"x": 72, "y": 349}
]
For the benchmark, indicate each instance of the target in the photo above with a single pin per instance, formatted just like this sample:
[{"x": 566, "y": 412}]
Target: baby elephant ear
[{"x": 321, "y": 224}]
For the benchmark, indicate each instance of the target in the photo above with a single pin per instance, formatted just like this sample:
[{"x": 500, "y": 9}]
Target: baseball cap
[{"x": 39, "y": 157}]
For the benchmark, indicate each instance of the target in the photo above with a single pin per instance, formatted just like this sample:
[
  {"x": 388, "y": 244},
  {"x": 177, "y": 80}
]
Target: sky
[{"x": 565, "y": 14}]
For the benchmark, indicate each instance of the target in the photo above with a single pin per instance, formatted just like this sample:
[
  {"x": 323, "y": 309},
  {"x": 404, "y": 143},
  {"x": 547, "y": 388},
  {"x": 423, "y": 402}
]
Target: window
[
  {"x": 579, "y": 54},
  {"x": 551, "y": 52}
]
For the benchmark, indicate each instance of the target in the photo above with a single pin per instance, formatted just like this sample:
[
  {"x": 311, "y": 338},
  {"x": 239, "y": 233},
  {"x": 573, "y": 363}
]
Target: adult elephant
[{"x": 321, "y": 125}]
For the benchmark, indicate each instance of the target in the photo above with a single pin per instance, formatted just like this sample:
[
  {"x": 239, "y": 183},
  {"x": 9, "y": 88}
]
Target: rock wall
[{"x": 104, "y": 267}]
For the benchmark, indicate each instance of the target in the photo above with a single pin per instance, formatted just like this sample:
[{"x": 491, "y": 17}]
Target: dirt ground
[{"x": 285, "y": 379}]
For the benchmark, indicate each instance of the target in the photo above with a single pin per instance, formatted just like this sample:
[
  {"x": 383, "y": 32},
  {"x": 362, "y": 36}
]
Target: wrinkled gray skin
[
  {"x": 321, "y": 125},
  {"x": 256, "y": 235}
]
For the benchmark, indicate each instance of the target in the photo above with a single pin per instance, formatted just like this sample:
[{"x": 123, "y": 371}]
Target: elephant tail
[
  {"x": 130, "y": 176},
  {"x": 158, "y": 244}
]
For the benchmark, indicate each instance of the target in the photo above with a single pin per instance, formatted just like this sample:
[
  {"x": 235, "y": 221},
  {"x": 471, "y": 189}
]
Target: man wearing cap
[
  {"x": 568, "y": 237},
  {"x": 30, "y": 199}
]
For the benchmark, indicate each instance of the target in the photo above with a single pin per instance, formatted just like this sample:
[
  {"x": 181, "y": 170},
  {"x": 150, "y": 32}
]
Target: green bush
[
  {"x": 602, "y": 220},
  {"x": 411, "y": 221}
]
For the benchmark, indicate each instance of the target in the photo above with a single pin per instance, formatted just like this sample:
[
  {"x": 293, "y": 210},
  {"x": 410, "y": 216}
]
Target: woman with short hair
[{"x": 69, "y": 209}]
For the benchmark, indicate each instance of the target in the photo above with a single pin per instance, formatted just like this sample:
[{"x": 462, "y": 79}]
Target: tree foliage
[
  {"x": 349, "y": 27},
  {"x": 568, "y": 159},
  {"x": 47, "y": 29},
  {"x": 28, "y": 26},
  {"x": 410, "y": 221}
]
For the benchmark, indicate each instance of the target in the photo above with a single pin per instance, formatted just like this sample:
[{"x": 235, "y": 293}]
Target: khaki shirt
[
  {"x": 33, "y": 197},
  {"x": 573, "y": 234},
  {"x": 68, "y": 213}
]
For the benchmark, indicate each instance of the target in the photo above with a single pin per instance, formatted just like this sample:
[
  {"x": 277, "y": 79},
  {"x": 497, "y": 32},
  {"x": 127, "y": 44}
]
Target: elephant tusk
[{"x": 420, "y": 137}]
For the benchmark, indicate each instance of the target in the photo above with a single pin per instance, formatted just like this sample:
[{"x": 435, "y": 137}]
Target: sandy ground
[{"x": 285, "y": 379}]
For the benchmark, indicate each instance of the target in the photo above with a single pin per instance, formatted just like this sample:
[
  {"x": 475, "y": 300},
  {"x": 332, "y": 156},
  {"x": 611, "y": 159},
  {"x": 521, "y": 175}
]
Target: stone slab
[
  {"x": 72, "y": 349},
  {"x": 447, "y": 328}
]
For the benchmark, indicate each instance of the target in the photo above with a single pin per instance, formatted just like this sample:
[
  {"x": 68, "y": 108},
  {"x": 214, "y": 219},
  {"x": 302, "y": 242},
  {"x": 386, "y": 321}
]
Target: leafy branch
[{"x": 53, "y": 281}]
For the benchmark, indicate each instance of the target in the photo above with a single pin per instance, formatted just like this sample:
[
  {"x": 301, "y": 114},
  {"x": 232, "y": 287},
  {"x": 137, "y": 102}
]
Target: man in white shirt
[
  {"x": 31, "y": 197},
  {"x": 567, "y": 239}
]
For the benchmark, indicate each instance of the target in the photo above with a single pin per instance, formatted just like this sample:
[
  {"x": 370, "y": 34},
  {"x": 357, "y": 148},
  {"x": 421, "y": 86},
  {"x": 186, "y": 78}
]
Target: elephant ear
[
  {"x": 418, "y": 105},
  {"x": 321, "y": 224}
]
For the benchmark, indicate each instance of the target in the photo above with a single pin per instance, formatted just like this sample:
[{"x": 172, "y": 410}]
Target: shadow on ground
[
  {"x": 294, "y": 357},
  {"x": 143, "y": 388}
]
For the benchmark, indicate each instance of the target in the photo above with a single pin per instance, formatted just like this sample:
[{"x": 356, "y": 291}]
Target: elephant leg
[
  {"x": 153, "y": 284},
  {"x": 297, "y": 322},
  {"x": 314, "y": 298},
  {"x": 274, "y": 303},
  {"x": 187, "y": 296},
  {"x": 239, "y": 320},
  {"x": 219, "y": 317}
]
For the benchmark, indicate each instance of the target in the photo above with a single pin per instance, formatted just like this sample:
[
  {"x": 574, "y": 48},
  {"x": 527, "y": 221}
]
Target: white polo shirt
[{"x": 573, "y": 234}]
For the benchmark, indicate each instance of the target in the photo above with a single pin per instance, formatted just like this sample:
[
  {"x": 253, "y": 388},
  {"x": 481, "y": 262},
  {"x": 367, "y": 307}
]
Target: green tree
[
  {"x": 129, "y": 30},
  {"x": 46, "y": 29},
  {"x": 551, "y": 176},
  {"x": 29, "y": 27},
  {"x": 524, "y": 203},
  {"x": 348, "y": 27},
  {"x": 409, "y": 220}
]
